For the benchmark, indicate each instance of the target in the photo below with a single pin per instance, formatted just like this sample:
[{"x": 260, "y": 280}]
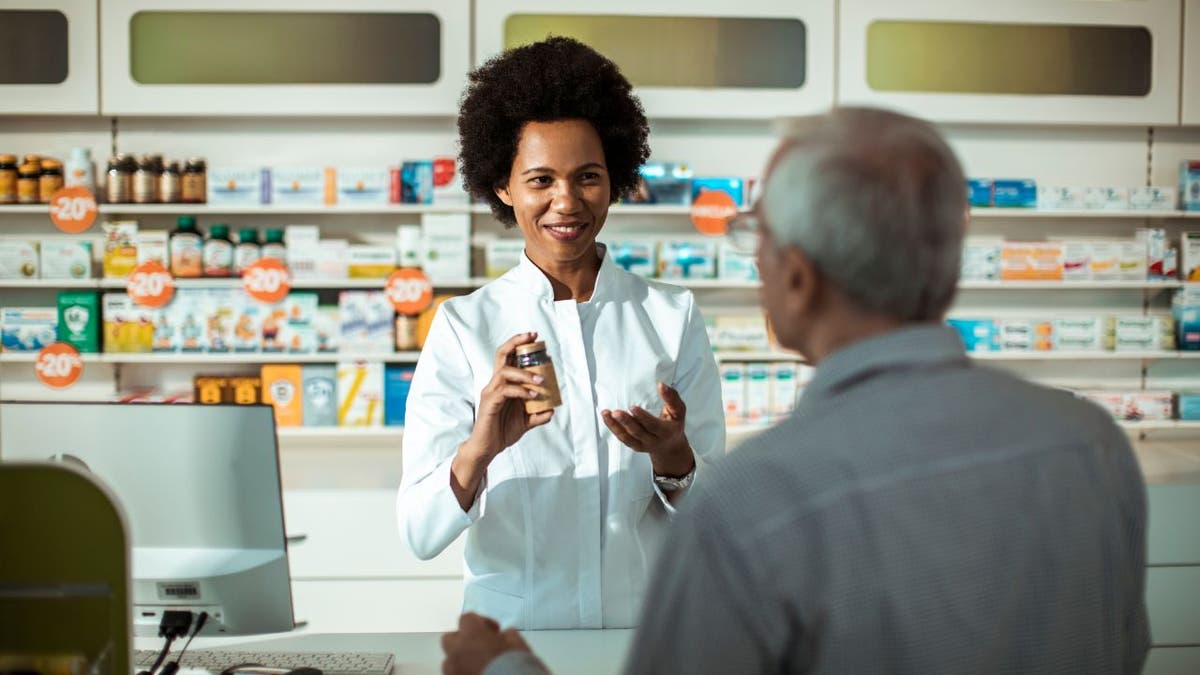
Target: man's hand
[
  {"x": 662, "y": 437},
  {"x": 477, "y": 641}
]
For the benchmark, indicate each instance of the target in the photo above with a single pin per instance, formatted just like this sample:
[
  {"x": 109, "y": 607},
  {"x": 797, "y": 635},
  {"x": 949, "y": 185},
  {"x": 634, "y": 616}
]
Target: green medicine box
[{"x": 79, "y": 320}]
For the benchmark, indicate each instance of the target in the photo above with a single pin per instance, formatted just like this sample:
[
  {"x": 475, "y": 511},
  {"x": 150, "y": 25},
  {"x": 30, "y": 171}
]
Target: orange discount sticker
[
  {"x": 58, "y": 365},
  {"x": 712, "y": 211},
  {"x": 73, "y": 209},
  {"x": 409, "y": 290},
  {"x": 150, "y": 285},
  {"x": 267, "y": 280}
]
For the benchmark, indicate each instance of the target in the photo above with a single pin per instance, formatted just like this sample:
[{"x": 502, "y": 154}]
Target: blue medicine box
[
  {"x": 978, "y": 335},
  {"x": 397, "y": 380},
  {"x": 734, "y": 187},
  {"x": 979, "y": 191},
  {"x": 1189, "y": 406},
  {"x": 1018, "y": 193}
]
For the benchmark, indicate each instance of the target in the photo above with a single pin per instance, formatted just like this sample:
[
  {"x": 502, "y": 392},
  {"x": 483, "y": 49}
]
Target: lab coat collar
[{"x": 530, "y": 278}]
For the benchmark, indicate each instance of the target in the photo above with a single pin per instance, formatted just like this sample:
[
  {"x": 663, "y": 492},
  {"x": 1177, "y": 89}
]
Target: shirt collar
[
  {"x": 531, "y": 278},
  {"x": 908, "y": 347}
]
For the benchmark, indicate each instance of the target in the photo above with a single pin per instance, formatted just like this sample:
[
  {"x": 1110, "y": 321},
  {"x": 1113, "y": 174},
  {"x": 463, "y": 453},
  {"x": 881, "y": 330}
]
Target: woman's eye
[
  {"x": 540, "y": 181},
  {"x": 589, "y": 176}
]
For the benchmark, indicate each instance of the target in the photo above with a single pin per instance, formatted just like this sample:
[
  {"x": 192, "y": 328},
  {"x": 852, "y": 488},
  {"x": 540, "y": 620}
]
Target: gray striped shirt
[{"x": 917, "y": 514}]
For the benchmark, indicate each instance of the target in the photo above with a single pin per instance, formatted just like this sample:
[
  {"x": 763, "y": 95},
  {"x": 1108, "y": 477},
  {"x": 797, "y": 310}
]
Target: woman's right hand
[{"x": 500, "y": 420}]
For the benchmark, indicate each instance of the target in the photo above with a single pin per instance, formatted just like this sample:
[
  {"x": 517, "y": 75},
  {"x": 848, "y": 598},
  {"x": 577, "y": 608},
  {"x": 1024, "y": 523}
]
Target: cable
[
  {"x": 174, "y": 623},
  {"x": 161, "y": 655},
  {"x": 173, "y": 666}
]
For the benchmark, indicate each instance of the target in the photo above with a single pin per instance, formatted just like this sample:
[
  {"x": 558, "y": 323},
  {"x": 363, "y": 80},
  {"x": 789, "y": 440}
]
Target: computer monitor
[{"x": 200, "y": 488}]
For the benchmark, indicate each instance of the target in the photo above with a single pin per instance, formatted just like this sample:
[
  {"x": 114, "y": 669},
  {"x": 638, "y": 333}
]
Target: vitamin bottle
[
  {"x": 247, "y": 250},
  {"x": 50, "y": 181},
  {"x": 273, "y": 246},
  {"x": 218, "y": 252},
  {"x": 8, "y": 179},
  {"x": 187, "y": 249},
  {"x": 533, "y": 357}
]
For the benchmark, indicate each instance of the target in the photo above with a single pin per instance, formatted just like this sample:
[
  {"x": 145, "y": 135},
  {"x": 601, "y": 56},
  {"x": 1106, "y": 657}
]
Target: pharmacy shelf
[
  {"x": 1159, "y": 425},
  {"x": 1080, "y": 213},
  {"x": 737, "y": 356},
  {"x": 299, "y": 284},
  {"x": 208, "y": 358},
  {"x": 51, "y": 283},
  {"x": 1067, "y": 285},
  {"x": 314, "y": 435},
  {"x": 1052, "y": 355},
  {"x": 30, "y": 357},
  {"x": 617, "y": 209}
]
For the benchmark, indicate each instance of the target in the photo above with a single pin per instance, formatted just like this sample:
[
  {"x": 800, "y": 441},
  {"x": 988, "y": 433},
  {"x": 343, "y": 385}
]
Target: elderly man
[{"x": 917, "y": 513}]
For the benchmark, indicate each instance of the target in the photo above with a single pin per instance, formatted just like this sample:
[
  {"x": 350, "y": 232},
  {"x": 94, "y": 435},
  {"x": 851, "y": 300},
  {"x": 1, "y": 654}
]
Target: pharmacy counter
[{"x": 578, "y": 652}]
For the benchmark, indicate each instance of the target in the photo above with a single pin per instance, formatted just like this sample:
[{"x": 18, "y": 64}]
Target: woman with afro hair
[{"x": 563, "y": 510}]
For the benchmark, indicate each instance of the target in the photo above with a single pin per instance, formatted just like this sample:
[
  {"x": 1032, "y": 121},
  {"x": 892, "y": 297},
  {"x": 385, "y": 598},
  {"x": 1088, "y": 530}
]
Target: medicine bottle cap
[
  {"x": 532, "y": 347},
  {"x": 248, "y": 235},
  {"x": 186, "y": 222}
]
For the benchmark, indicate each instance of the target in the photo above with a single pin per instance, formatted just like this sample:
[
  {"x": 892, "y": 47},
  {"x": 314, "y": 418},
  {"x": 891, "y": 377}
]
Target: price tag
[
  {"x": 58, "y": 365},
  {"x": 711, "y": 212},
  {"x": 150, "y": 285},
  {"x": 409, "y": 290},
  {"x": 267, "y": 280},
  {"x": 73, "y": 209}
]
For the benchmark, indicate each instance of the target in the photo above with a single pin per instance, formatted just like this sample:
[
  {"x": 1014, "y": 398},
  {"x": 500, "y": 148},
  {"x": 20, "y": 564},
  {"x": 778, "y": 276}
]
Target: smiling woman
[{"x": 562, "y": 507}]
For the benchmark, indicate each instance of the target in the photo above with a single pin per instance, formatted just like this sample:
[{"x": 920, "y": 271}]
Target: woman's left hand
[{"x": 661, "y": 436}]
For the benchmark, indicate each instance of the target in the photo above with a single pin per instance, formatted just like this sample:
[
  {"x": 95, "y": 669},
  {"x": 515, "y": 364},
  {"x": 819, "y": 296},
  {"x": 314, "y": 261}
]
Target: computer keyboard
[{"x": 330, "y": 663}]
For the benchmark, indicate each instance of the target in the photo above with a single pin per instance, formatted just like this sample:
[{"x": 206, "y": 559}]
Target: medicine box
[
  {"x": 1060, "y": 197},
  {"x": 235, "y": 186},
  {"x": 1189, "y": 185},
  {"x": 18, "y": 259},
  {"x": 981, "y": 261},
  {"x": 319, "y": 387},
  {"x": 447, "y": 246},
  {"x": 733, "y": 392},
  {"x": 1188, "y": 404},
  {"x": 1189, "y": 251},
  {"x": 298, "y": 186},
  {"x": 79, "y": 320},
  {"x": 734, "y": 187},
  {"x": 635, "y": 256},
  {"x": 501, "y": 255},
  {"x": 365, "y": 261},
  {"x": 1031, "y": 261},
  {"x": 128, "y": 328},
  {"x": 978, "y": 335},
  {"x": 1153, "y": 198},
  {"x": 979, "y": 192},
  {"x": 758, "y": 393},
  {"x": 365, "y": 322},
  {"x": 1078, "y": 334},
  {"x": 785, "y": 389},
  {"x": 664, "y": 183},
  {"x": 360, "y": 393},
  {"x": 736, "y": 265},
  {"x": 188, "y": 314},
  {"x": 120, "y": 248},
  {"x": 303, "y": 250},
  {"x": 416, "y": 182},
  {"x": 152, "y": 246},
  {"x": 688, "y": 260},
  {"x": 281, "y": 388},
  {"x": 1109, "y": 197},
  {"x": 210, "y": 389},
  {"x": 1148, "y": 406},
  {"x": 1014, "y": 193},
  {"x": 363, "y": 185},
  {"x": 397, "y": 382},
  {"x": 27, "y": 329},
  {"x": 65, "y": 259}
]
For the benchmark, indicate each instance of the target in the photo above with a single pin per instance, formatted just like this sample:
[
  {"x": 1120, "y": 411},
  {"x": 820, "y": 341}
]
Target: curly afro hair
[{"x": 556, "y": 79}]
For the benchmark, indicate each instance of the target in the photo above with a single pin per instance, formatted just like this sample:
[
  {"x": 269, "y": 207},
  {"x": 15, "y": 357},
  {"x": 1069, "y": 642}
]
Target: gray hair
[{"x": 878, "y": 201}]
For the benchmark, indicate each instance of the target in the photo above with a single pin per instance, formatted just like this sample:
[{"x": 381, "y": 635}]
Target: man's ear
[
  {"x": 802, "y": 280},
  {"x": 502, "y": 193}
]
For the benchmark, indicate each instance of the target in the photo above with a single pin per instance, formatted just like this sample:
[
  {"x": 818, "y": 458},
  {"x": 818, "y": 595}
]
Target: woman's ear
[{"x": 502, "y": 193}]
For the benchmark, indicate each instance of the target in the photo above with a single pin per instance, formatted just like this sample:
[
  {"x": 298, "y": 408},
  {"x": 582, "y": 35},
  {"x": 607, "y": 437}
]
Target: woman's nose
[{"x": 567, "y": 198}]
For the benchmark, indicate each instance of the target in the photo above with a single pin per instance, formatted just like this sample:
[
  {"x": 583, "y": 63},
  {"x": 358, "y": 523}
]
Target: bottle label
[
  {"x": 244, "y": 256},
  {"x": 187, "y": 255},
  {"x": 218, "y": 258}
]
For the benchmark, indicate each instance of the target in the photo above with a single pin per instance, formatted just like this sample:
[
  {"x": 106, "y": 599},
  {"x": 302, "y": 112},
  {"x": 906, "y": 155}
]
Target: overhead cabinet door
[
  {"x": 303, "y": 57},
  {"x": 1022, "y": 61},
  {"x": 48, "y": 58},
  {"x": 703, "y": 59}
]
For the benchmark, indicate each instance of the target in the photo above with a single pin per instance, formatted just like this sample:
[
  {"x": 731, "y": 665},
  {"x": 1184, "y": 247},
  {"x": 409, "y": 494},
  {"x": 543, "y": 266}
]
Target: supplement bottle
[
  {"x": 50, "y": 181},
  {"x": 8, "y": 179},
  {"x": 79, "y": 169},
  {"x": 247, "y": 250},
  {"x": 27, "y": 183},
  {"x": 195, "y": 182},
  {"x": 533, "y": 357},
  {"x": 187, "y": 249},
  {"x": 170, "y": 184},
  {"x": 218, "y": 252},
  {"x": 273, "y": 246}
]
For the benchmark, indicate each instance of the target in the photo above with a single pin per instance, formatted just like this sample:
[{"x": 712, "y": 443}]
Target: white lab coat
[{"x": 568, "y": 521}]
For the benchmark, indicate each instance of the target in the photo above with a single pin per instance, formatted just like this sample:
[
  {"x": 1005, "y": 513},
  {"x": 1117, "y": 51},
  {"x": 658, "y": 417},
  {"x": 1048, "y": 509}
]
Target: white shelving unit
[
  {"x": 221, "y": 359},
  {"x": 314, "y": 435}
]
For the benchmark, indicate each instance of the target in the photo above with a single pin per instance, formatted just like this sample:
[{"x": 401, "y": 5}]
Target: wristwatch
[{"x": 672, "y": 484}]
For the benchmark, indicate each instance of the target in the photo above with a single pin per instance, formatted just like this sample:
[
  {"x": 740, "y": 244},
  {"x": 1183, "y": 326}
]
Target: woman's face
[{"x": 558, "y": 188}]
